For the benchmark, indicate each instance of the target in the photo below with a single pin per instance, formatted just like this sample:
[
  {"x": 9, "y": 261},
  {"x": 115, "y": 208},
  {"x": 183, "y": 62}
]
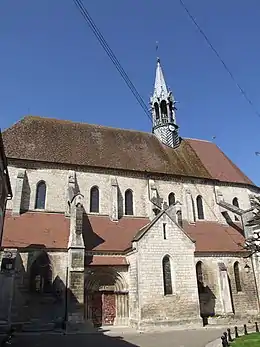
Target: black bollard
[
  {"x": 224, "y": 341},
  {"x": 256, "y": 328},
  {"x": 236, "y": 333},
  {"x": 226, "y": 337},
  {"x": 229, "y": 335},
  {"x": 245, "y": 329}
]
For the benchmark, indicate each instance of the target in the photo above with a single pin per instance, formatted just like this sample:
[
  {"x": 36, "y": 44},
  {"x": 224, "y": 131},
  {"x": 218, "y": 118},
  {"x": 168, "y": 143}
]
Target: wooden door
[{"x": 108, "y": 308}]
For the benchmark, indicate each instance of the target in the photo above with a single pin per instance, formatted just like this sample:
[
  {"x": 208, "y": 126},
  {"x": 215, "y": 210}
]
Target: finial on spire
[{"x": 157, "y": 48}]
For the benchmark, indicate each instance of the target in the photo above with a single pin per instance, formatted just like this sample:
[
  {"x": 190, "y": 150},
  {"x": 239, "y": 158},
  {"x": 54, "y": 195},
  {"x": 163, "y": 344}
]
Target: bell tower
[{"x": 163, "y": 111}]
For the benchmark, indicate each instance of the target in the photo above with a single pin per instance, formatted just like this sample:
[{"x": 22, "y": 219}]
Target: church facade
[{"x": 119, "y": 227}]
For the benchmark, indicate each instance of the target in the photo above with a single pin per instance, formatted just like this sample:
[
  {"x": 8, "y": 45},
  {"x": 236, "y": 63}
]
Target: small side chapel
[{"x": 122, "y": 227}]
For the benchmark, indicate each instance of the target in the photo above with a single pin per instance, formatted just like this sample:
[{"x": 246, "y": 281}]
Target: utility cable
[
  {"x": 111, "y": 55},
  {"x": 242, "y": 91}
]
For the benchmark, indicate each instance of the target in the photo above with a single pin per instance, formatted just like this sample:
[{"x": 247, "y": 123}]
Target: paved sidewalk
[{"x": 215, "y": 343}]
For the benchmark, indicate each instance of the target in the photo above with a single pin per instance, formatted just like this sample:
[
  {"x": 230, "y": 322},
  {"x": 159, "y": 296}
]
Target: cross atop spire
[{"x": 160, "y": 88}]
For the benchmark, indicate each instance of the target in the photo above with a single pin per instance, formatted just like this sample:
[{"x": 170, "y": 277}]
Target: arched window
[
  {"x": 40, "y": 195},
  {"x": 167, "y": 277},
  {"x": 235, "y": 203},
  {"x": 237, "y": 277},
  {"x": 200, "y": 207},
  {"x": 171, "y": 199},
  {"x": 179, "y": 218},
  {"x": 129, "y": 202},
  {"x": 170, "y": 109},
  {"x": 157, "y": 111},
  {"x": 94, "y": 199},
  {"x": 41, "y": 274},
  {"x": 164, "y": 109}
]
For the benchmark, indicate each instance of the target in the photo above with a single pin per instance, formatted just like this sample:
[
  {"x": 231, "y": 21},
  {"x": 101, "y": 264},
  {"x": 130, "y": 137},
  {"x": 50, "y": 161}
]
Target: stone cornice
[
  {"x": 220, "y": 254},
  {"x": 101, "y": 253}
]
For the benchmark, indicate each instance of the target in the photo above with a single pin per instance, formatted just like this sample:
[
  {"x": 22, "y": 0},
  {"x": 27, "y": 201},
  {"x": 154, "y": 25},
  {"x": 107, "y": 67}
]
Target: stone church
[{"x": 121, "y": 227}]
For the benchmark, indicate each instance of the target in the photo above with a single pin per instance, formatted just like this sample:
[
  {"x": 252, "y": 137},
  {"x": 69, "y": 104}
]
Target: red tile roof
[
  {"x": 214, "y": 237},
  {"x": 101, "y": 234},
  {"x": 105, "y": 260},
  {"x": 36, "y": 229},
  {"x": 51, "y": 230},
  {"x": 117, "y": 149},
  {"x": 217, "y": 163}
]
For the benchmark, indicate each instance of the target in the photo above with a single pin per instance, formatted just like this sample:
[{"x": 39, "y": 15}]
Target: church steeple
[{"x": 163, "y": 111}]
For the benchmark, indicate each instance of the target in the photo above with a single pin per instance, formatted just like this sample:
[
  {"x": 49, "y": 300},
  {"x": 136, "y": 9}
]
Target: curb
[
  {"x": 215, "y": 343},
  {"x": 218, "y": 342}
]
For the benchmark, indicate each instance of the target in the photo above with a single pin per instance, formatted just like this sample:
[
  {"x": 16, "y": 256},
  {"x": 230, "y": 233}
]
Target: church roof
[
  {"x": 36, "y": 230},
  {"x": 66, "y": 142},
  {"x": 101, "y": 235},
  {"x": 213, "y": 237},
  {"x": 103, "y": 260}
]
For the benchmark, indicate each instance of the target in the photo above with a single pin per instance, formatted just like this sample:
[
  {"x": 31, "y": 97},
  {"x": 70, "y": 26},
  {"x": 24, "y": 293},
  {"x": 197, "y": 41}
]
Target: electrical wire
[
  {"x": 242, "y": 91},
  {"x": 82, "y": 9}
]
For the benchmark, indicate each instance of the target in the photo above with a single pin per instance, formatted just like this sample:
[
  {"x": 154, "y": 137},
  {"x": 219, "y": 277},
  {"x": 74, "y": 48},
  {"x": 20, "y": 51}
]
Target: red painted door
[{"x": 108, "y": 308}]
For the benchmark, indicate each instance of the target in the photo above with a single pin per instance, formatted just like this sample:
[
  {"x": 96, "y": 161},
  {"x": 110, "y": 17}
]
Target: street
[{"x": 179, "y": 338}]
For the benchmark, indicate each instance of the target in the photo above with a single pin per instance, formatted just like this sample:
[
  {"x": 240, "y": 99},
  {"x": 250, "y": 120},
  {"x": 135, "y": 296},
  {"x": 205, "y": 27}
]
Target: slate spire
[{"x": 163, "y": 111}]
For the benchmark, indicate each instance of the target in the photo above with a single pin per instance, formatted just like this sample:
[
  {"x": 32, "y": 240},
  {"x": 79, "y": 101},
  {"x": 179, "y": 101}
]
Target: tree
[{"x": 252, "y": 243}]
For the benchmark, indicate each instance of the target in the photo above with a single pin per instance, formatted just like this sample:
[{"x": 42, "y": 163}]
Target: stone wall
[
  {"x": 27, "y": 307},
  {"x": 56, "y": 178},
  {"x": 133, "y": 289},
  {"x": 245, "y": 302},
  {"x": 183, "y": 303}
]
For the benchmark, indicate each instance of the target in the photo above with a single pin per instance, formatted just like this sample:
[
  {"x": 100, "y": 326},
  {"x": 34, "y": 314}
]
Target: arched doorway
[
  {"x": 106, "y": 298},
  {"x": 40, "y": 299}
]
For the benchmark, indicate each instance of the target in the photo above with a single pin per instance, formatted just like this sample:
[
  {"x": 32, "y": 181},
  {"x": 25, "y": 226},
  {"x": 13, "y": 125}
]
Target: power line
[
  {"x": 111, "y": 55},
  {"x": 221, "y": 60}
]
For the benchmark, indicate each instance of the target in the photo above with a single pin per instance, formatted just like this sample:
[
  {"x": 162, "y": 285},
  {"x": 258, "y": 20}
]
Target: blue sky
[{"x": 52, "y": 65}]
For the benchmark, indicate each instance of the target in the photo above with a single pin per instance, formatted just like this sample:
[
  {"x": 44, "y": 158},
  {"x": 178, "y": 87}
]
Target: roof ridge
[
  {"x": 67, "y": 121},
  {"x": 201, "y": 140}
]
